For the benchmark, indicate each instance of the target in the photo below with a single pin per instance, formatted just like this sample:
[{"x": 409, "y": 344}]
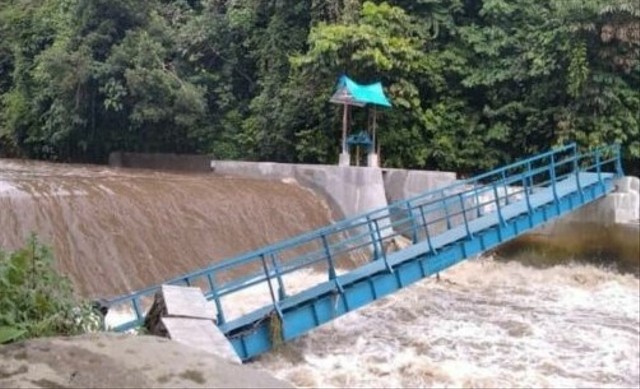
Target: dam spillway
[{"x": 117, "y": 230}]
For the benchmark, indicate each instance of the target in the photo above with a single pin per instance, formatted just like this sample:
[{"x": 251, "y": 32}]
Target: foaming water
[
  {"x": 118, "y": 230},
  {"x": 484, "y": 324}
]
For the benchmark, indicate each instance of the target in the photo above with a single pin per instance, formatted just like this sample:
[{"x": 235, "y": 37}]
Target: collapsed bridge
[{"x": 442, "y": 227}]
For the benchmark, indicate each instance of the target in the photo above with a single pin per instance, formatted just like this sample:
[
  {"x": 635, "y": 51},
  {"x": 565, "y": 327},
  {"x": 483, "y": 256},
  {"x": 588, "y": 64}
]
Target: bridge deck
[
  {"x": 492, "y": 220},
  {"x": 447, "y": 225}
]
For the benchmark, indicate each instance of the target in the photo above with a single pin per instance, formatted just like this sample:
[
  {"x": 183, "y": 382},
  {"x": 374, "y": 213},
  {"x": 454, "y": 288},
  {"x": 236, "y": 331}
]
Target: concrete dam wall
[
  {"x": 607, "y": 229},
  {"x": 350, "y": 190},
  {"x": 161, "y": 161}
]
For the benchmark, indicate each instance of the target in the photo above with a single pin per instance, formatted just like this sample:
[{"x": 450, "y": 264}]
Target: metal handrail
[{"x": 456, "y": 201}]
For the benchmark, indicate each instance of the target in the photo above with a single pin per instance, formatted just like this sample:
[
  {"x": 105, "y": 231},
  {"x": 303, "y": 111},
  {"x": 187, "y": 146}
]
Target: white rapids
[{"x": 484, "y": 324}]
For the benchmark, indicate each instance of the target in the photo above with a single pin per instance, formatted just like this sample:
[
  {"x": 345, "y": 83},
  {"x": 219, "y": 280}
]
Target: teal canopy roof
[{"x": 350, "y": 92}]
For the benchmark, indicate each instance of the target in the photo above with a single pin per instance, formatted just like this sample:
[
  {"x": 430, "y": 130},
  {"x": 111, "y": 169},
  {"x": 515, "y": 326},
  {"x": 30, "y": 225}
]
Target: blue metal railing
[{"x": 357, "y": 240}]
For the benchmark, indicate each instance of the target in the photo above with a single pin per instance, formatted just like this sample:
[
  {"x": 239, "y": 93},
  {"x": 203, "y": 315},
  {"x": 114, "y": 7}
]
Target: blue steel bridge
[{"x": 441, "y": 228}]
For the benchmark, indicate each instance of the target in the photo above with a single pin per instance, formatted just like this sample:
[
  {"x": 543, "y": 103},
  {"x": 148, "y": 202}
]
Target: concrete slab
[
  {"x": 184, "y": 301},
  {"x": 200, "y": 334}
]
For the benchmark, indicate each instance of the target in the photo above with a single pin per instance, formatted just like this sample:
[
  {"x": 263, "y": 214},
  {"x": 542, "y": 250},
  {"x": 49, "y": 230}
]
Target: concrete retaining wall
[
  {"x": 619, "y": 207},
  {"x": 401, "y": 184},
  {"x": 349, "y": 190},
  {"x": 606, "y": 230},
  {"x": 159, "y": 161}
]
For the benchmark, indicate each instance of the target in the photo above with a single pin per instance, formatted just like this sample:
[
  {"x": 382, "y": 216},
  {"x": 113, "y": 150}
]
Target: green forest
[{"x": 473, "y": 83}]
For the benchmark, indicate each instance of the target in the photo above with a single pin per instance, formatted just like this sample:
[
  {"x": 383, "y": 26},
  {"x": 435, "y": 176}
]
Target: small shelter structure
[{"x": 350, "y": 93}]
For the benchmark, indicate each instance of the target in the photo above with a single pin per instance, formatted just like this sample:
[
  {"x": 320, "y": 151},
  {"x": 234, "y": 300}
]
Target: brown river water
[
  {"x": 486, "y": 323},
  {"x": 116, "y": 230}
]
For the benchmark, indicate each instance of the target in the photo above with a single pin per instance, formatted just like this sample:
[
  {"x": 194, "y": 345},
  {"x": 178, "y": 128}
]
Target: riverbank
[{"x": 121, "y": 361}]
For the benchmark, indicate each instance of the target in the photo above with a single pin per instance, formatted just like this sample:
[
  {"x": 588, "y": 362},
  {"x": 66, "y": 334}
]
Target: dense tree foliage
[{"x": 474, "y": 83}]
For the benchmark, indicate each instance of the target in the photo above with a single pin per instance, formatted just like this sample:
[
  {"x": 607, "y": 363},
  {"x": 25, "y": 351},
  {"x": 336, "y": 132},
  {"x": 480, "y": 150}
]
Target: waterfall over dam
[{"x": 117, "y": 230}]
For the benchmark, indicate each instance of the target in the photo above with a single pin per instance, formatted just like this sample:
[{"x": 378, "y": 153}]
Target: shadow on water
[{"x": 615, "y": 247}]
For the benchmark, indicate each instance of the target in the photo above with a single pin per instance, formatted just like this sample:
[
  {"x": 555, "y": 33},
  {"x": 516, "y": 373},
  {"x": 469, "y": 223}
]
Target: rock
[
  {"x": 396, "y": 243},
  {"x": 153, "y": 321},
  {"x": 110, "y": 360},
  {"x": 101, "y": 306}
]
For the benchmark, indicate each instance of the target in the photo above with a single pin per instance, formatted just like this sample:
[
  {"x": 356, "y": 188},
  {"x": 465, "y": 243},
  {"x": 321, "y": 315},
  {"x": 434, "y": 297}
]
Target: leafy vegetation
[
  {"x": 474, "y": 83},
  {"x": 34, "y": 300}
]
